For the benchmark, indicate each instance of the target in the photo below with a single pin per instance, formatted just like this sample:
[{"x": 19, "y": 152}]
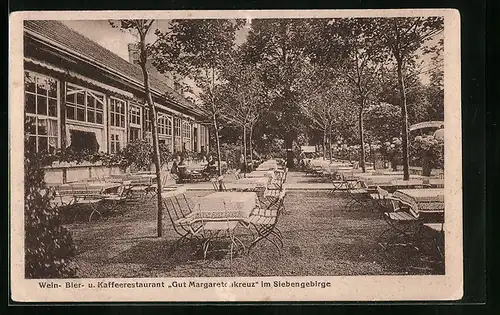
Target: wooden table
[
  {"x": 225, "y": 205},
  {"x": 260, "y": 173},
  {"x": 428, "y": 200}
]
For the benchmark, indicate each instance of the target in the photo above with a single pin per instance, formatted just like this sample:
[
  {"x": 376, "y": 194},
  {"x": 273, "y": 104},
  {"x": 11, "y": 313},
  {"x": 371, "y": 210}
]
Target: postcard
[{"x": 245, "y": 155}]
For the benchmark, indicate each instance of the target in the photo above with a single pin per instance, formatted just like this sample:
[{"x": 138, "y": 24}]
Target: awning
[
  {"x": 79, "y": 77},
  {"x": 427, "y": 124}
]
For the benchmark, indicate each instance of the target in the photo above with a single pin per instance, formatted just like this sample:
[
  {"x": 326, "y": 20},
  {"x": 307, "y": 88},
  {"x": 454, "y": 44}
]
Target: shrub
[
  {"x": 429, "y": 151},
  {"x": 49, "y": 248}
]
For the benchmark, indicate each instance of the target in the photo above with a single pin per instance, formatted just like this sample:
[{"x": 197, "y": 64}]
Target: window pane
[
  {"x": 29, "y": 100},
  {"x": 42, "y": 127},
  {"x": 70, "y": 112},
  {"x": 41, "y": 105},
  {"x": 80, "y": 98},
  {"x": 31, "y": 122},
  {"x": 71, "y": 98},
  {"x": 122, "y": 121},
  {"x": 112, "y": 119},
  {"x": 52, "y": 144},
  {"x": 52, "y": 87},
  {"x": 42, "y": 86},
  {"x": 90, "y": 101},
  {"x": 98, "y": 118},
  {"x": 90, "y": 116},
  {"x": 29, "y": 82},
  {"x": 80, "y": 114},
  {"x": 42, "y": 144},
  {"x": 52, "y": 107},
  {"x": 52, "y": 125}
]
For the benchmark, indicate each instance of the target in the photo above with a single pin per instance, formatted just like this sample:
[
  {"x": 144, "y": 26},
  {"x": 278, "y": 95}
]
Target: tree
[
  {"x": 198, "y": 49},
  {"x": 245, "y": 97},
  {"x": 349, "y": 48},
  {"x": 403, "y": 38},
  {"x": 278, "y": 46},
  {"x": 142, "y": 28},
  {"x": 323, "y": 101}
]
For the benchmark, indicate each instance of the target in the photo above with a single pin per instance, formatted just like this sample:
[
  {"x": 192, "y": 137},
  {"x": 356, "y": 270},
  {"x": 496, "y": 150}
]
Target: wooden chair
[
  {"x": 358, "y": 194},
  {"x": 265, "y": 219},
  {"x": 404, "y": 224},
  {"x": 213, "y": 229},
  {"x": 180, "y": 215},
  {"x": 117, "y": 201}
]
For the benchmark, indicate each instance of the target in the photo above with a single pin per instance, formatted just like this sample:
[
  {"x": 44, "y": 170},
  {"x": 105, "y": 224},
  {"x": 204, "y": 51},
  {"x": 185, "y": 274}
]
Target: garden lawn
[{"x": 321, "y": 238}]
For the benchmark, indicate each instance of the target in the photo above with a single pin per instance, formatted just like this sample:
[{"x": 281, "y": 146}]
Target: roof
[{"x": 62, "y": 35}]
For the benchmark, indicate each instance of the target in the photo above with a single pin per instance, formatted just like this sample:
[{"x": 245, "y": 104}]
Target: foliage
[
  {"x": 401, "y": 38},
  {"x": 430, "y": 149},
  {"x": 198, "y": 49},
  {"x": 383, "y": 122},
  {"x": 49, "y": 247},
  {"x": 277, "y": 46}
]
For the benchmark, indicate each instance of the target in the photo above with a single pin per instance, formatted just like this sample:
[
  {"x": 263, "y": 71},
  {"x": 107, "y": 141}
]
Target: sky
[{"x": 117, "y": 40}]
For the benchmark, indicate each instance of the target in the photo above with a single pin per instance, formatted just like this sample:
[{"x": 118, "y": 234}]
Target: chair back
[
  {"x": 177, "y": 207},
  {"x": 222, "y": 185},
  {"x": 382, "y": 192},
  {"x": 215, "y": 183}
]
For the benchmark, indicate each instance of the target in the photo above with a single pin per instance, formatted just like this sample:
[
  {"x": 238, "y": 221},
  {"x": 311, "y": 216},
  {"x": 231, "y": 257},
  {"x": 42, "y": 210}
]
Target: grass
[{"x": 321, "y": 238}]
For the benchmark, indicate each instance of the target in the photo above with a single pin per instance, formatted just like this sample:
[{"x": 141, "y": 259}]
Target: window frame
[
  {"x": 45, "y": 117},
  {"x": 111, "y": 112},
  {"x": 75, "y": 105}
]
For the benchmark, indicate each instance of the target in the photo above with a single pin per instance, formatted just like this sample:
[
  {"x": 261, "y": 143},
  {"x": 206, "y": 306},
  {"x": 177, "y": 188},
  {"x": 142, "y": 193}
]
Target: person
[{"x": 242, "y": 164}]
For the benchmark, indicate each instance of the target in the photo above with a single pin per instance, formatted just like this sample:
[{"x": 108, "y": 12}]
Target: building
[{"x": 79, "y": 94}]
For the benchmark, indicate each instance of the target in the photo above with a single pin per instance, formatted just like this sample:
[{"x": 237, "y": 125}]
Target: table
[
  {"x": 260, "y": 173},
  {"x": 427, "y": 200},
  {"x": 225, "y": 205}
]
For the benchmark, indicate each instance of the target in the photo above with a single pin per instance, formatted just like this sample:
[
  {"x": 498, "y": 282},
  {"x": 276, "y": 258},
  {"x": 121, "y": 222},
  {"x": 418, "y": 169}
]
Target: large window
[
  {"x": 165, "y": 125},
  {"x": 135, "y": 122},
  {"x": 116, "y": 113},
  {"x": 147, "y": 119},
  {"x": 115, "y": 142},
  {"x": 186, "y": 135},
  {"x": 41, "y": 107},
  {"x": 84, "y": 105},
  {"x": 177, "y": 134}
]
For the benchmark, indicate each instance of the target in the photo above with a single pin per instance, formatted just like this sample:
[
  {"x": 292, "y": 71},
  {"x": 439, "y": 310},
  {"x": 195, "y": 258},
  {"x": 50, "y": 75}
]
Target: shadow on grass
[{"x": 161, "y": 255}]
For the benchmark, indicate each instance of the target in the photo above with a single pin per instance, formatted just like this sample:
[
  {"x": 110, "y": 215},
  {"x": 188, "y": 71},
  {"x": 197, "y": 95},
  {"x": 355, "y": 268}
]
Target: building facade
[{"x": 79, "y": 94}]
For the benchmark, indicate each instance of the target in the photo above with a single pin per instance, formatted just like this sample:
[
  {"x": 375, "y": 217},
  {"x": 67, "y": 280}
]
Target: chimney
[{"x": 133, "y": 53}]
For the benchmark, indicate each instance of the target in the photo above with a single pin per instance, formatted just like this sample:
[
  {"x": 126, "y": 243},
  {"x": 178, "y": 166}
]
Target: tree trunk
[
  {"x": 373, "y": 156},
  {"x": 289, "y": 151},
  {"x": 154, "y": 129},
  {"x": 245, "y": 148},
  {"x": 217, "y": 141},
  {"x": 330, "y": 149},
  {"x": 324, "y": 145},
  {"x": 361, "y": 139},
  {"x": 404, "y": 124},
  {"x": 250, "y": 145}
]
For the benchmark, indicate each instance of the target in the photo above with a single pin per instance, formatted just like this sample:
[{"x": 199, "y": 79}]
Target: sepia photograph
[{"x": 246, "y": 155}]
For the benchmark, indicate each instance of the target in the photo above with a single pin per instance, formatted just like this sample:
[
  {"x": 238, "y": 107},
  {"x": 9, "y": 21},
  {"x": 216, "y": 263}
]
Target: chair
[
  {"x": 91, "y": 196},
  {"x": 403, "y": 223},
  {"x": 381, "y": 197},
  {"x": 218, "y": 183},
  {"x": 358, "y": 193},
  {"x": 339, "y": 182},
  {"x": 219, "y": 228},
  {"x": 180, "y": 214},
  {"x": 237, "y": 174},
  {"x": 264, "y": 220},
  {"x": 116, "y": 201}
]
